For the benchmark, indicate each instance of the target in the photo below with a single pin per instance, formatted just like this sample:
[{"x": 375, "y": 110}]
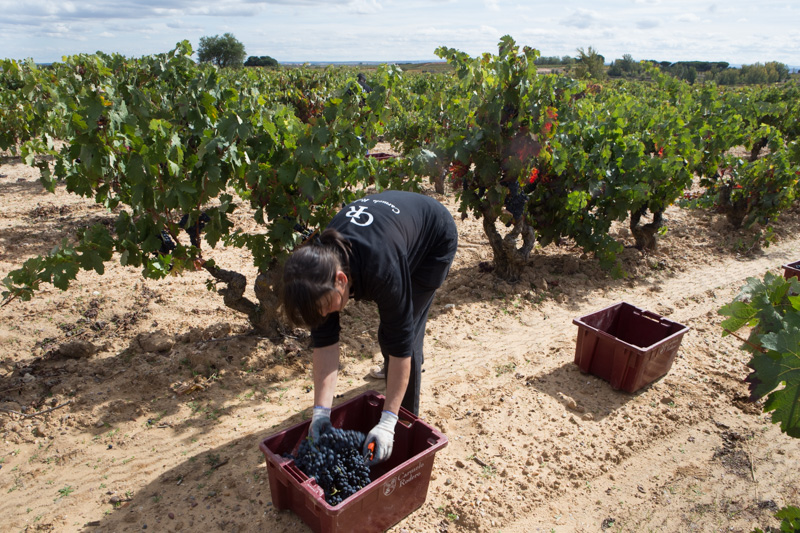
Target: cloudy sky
[{"x": 736, "y": 31}]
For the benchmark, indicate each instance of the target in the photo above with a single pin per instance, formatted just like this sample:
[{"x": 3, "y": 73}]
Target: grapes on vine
[
  {"x": 515, "y": 200},
  {"x": 167, "y": 244}
]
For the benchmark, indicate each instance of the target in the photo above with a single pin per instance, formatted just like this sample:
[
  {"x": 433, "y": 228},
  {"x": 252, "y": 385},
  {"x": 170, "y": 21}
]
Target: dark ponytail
[{"x": 309, "y": 275}]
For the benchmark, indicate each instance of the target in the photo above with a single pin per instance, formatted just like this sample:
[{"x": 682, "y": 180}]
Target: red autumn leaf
[{"x": 458, "y": 169}]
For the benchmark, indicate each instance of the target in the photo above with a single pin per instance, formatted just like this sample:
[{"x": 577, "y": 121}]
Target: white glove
[
  {"x": 320, "y": 421},
  {"x": 383, "y": 437}
]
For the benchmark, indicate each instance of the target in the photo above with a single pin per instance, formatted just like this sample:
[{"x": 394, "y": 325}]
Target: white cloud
[
  {"x": 365, "y": 6},
  {"x": 69, "y": 7},
  {"x": 492, "y": 5},
  {"x": 62, "y": 31},
  {"x": 647, "y": 24},
  {"x": 581, "y": 18},
  {"x": 688, "y": 18}
]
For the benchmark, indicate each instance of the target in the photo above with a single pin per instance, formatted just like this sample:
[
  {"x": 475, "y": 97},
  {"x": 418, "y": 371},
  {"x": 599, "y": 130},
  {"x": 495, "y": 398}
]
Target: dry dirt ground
[{"x": 159, "y": 430}]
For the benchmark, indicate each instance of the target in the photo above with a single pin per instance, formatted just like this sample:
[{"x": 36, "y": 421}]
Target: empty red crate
[
  {"x": 399, "y": 486},
  {"x": 627, "y": 346},
  {"x": 792, "y": 270},
  {"x": 381, "y": 156}
]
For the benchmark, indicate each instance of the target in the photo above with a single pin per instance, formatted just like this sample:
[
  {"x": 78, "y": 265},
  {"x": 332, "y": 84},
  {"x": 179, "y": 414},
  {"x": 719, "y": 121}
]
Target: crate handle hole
[{"x": 652, "y": 316}]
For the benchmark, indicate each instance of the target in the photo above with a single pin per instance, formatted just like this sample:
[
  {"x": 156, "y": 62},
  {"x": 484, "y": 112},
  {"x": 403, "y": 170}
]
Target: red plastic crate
[
  {"x": 382, "y": 156},
  {"x": 792, "y": 270},
  {"x": 627, "y": 346},
  {"x": 399, "y": 486}
]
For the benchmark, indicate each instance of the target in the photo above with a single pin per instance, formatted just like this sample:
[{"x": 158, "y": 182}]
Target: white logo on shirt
[{"x": 355, "y": 215}]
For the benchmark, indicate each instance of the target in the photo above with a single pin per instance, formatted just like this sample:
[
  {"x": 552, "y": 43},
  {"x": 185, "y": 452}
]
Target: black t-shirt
[{"x": 393, "y": 235}]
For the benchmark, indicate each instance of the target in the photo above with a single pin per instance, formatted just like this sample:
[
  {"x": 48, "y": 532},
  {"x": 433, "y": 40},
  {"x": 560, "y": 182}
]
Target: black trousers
[{"x": 425, "y": 280}]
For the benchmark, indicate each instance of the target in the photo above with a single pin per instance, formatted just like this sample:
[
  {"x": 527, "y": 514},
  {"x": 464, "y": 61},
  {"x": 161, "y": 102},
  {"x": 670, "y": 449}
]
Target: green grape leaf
[
  {"x": 60, "y": 272},
  {"x": 771, "y": 310},
  {"x": 790, "y": 517},
  {"x": 740, "y": 313},
  {"x": 780, "y": 367},
  {"x": 91, "y": 260}
]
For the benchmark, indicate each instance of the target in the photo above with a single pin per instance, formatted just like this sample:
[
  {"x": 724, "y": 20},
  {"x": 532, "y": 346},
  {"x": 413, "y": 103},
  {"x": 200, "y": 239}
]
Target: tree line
[
  {"x": 228, "y": 52},
  {"x": 719, "y": 72}
]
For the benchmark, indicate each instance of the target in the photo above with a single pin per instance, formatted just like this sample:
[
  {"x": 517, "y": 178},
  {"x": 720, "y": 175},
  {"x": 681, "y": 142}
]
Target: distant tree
[
  {"x": 629, "y": 65},
  {"x": 700, "y": 66},
  {"x": 626, "y": 66},
  {"x": 225, "y": 51},
  {"x": 590, "y": 64},
  {"x": 780, "y": 68},
  {"x": 261, "y": 61},
  {"x": 554, "y": 60},
  {"x": 691, "y": 72},
  {"x": 772, "y": 72},
  {"x": 755, "y": 74},
  {"x": 547, "y": 60},
  {"x": 729, "y": 76}
]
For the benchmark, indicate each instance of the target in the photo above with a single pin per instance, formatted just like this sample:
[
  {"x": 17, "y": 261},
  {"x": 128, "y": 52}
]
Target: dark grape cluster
[
  {"x": 335, "y": 461},
  {"x": 515, "y": 200},
  {"x": 167, "y": 244},
  {"x": 195, "y": 230},
  {"x": 305, "y": 231}
]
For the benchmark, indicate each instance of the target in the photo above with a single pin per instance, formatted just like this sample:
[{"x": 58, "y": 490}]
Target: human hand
[
  {"x": 382, "y": 435},
  {"x": 320, "y": 421}
]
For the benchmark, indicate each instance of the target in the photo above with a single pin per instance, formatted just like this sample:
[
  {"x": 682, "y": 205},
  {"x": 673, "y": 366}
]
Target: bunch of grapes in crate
[{"x": 335, "y": 461}]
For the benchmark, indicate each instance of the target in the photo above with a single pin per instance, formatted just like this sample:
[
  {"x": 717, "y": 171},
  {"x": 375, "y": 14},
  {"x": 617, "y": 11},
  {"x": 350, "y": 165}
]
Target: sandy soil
[{"x": 159, "y": 429}]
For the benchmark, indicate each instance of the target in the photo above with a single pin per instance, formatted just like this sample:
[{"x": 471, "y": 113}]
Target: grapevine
[
  {"x": 770, "y": 307},
  {"x": 175, "y": 148},
  {"x": 172, "y": 145}
]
